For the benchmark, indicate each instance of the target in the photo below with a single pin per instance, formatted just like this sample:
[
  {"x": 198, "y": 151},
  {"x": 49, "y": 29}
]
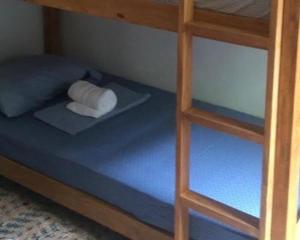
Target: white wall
[
  {"x": 224, "y": 74},
  {"x": 20, "y": 28}
]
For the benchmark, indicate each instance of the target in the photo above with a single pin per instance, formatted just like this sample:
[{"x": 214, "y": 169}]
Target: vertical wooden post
[
  {"x": 184, "y": 102},
  {"x": 287, "y": 157},
  {"x": 52, "y": 31},
  {"x": 271, "y": 112},
  {"x": 282, "y": 152}
]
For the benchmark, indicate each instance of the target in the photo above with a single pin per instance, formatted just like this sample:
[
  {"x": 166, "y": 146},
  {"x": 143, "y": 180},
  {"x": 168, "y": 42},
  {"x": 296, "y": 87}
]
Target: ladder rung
[
  {"x": 221, "y": 212},
  {"x": 229, "y": 34},
  {"x": 225, "y": 124}
]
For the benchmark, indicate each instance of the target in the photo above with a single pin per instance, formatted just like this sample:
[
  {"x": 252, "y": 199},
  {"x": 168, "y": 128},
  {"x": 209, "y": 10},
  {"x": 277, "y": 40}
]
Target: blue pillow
[{"x": 27, "y": 82}]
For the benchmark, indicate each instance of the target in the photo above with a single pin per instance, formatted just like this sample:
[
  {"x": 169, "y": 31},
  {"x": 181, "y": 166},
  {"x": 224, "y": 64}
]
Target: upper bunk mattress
[
  {"x": 129, "y": 161},
  {"x": 250, "y": 8}
]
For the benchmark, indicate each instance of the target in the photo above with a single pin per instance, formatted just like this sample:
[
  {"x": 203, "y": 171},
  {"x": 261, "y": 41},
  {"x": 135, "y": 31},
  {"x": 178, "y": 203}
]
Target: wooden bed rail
[
  {"x": 247, "y": 31},
  {"x": 225, "y": 33},
  {"x": 83, "y": 203}
]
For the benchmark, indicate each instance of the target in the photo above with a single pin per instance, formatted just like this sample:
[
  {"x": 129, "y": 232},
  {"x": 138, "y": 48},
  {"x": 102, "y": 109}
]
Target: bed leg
[
  {"x": 52, "y": 31},
  {"x": 282, "y": 160}
]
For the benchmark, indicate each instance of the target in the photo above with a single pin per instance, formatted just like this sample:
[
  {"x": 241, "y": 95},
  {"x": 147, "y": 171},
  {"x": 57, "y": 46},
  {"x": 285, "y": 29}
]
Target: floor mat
[{"x": 25, "y": 215}]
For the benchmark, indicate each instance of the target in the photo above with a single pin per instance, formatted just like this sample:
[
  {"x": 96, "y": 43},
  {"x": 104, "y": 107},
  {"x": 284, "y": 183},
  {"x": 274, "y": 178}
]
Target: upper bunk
[{"x": 243, "y": 22}]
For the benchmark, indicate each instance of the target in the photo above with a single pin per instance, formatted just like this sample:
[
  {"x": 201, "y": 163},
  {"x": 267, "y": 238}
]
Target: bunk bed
[{"x": 276, "y": 141}]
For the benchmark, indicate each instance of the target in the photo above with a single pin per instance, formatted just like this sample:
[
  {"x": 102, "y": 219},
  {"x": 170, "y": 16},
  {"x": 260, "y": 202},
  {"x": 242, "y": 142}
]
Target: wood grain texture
[
  {"x": 222, "y": 32},
  {"x": 271, "y": 107},
  {"x": 287, "y": 155},
  {"x": 225, "y": 124},
  {"x": 184, "y": 102},
  {"x": 81, "y": 202},
  {"x": 282, "y": 160},
  {"x": 165, "y": 16},
  {"x": 52, "y": 31},
  {"x": 221, "y": 213}
]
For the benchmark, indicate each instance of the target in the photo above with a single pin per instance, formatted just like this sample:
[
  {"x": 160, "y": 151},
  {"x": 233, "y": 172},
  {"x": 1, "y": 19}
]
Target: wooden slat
[
  {"x": 52, "y": 31},
  {"x": 157, "y": 15},
  {"x": 184, "y": 101},
  {"x": 81, "y": 202},
  {"x": 222, "y": 213},
  {"x": 229, "y": 34},
  {"x": 225, "y": 124}
]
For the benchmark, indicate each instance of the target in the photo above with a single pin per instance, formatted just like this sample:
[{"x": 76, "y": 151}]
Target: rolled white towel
[
  {"x": 92, "y": 96},
  {"x": 86, "y": 111}
]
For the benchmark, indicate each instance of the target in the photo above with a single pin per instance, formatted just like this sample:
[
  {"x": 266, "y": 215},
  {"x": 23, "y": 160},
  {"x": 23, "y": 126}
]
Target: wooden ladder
[{"x": 280, "y": 137}]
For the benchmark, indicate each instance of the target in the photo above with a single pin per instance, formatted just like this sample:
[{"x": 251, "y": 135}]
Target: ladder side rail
[
  {"x": 271, "y": 103},
  {"x": 184, "y": 102}
]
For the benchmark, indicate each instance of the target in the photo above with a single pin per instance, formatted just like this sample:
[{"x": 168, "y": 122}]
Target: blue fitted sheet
[{"x": 129, "y": 161}]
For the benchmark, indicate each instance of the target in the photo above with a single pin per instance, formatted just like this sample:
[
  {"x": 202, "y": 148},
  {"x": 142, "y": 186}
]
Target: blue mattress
[{"x": 129, "y": 161}]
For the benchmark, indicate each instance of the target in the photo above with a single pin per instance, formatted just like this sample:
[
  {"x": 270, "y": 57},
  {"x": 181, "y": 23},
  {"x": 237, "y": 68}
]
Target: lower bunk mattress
[{"x": 129, "y": 161}]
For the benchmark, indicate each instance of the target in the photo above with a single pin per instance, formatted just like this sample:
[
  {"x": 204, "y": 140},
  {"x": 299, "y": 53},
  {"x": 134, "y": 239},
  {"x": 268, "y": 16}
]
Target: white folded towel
[
  {"x": 92, "y": 96},
  {"x": 85, "y": 111},
  {"x": 90, "y": 100}
]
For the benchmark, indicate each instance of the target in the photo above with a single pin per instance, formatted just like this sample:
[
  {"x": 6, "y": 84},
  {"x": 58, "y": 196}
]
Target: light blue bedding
[
  {"x": 61, "y": 118},
  {"x": 129, "y": 161}
]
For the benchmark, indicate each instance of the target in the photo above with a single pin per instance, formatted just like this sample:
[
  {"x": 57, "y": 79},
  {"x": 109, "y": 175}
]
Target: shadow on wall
[
  {"x": 224, "y": 74},
  {"x": 20, "y": 28}
]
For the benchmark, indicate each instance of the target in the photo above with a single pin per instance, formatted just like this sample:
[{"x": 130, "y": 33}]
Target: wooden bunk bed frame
[{"x": 280, "y": 135}]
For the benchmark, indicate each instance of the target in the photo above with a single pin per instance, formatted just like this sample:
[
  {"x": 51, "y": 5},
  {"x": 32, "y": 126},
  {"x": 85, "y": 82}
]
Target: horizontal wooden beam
[
  {"x": 163, "y": 16},
  {"x": 225, "y": 124},
  {"x": 222, "y": 32},
  {"x": 80, "y": 202},
  {"x": 222, "y": 213}
]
